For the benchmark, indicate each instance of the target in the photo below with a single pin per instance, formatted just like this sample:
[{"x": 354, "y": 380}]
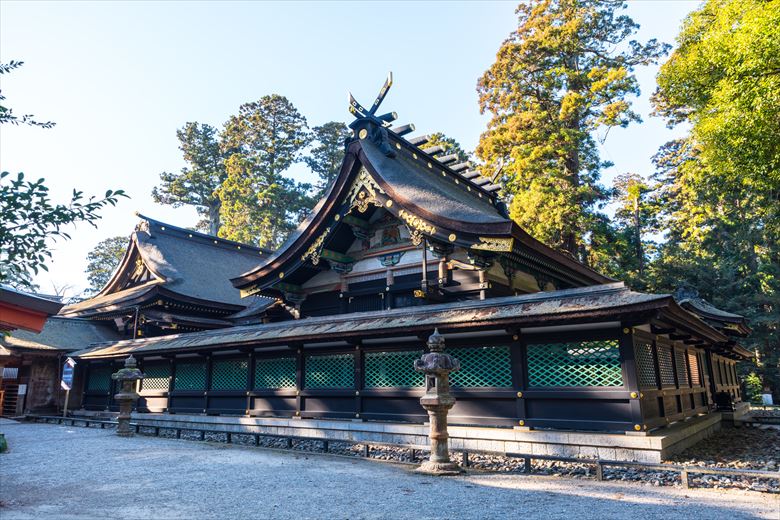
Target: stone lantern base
[{"x": 439, "y": 469}]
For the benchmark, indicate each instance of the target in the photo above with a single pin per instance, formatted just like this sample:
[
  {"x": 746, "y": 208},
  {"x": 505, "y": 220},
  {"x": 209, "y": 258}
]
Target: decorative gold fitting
[
  {"x": 363, "y": 133},
  {"x": 515, "y": 337},
  {"x": 297, "y": 413},
  {"x": 626, "y": 331},
  {"x": 357, "y": 415},
  {"x": 519, "y": 394},
  {"x": 297, "y": 392},
  {"x": 633, "y": 395},
  {"x": 281, "y": 275},
  {"x": 641, "y": 395},
  {"x": 521, "y": 423},
  {"x": 637, "y": 427},
  {"x": 337, "y": 217},
  {"x": 452, "y": 237},
  {"x": 644, "y": 426},
  {"x": 389, "y": 203},
  {"x": 357, "y": 393}
]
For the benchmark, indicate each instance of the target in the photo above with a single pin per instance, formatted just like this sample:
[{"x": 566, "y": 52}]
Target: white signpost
[{"x": 67, "y": 382}]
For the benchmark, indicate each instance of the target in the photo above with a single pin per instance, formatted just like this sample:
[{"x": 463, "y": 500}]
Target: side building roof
[
  {"x": 585, "y": 304},
  {"x": 166, "y": 260},
  {"x": 59, "y": 334}
]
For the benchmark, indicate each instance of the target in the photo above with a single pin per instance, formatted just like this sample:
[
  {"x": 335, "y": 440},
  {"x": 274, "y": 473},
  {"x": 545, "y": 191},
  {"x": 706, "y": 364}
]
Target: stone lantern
[
  {"x": 127, "y": 395},
  {"x": 437, "y": 401}
]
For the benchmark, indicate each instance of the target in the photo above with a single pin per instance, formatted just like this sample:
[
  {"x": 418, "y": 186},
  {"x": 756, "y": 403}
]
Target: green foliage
[
  {"x": 718, "y": 186},
  {"x": 103, "y": 260},
  {"x": 28, "y": 219},
  {"x": 451, "y": 146},
  {"x": 198, "y": 183},
  {"x": 325, "y": 158},
  {"x": 565, "y": 74},
  {"x": 6, "y": 114},
  {"x": 259, "y": 204},
  {"x": 754, "y": 388}
]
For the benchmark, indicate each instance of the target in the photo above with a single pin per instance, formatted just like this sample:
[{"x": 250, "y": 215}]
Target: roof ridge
[{"x": 204, "y": 237}]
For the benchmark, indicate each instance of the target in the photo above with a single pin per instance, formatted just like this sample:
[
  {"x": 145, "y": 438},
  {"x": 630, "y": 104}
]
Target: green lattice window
[
  {"x": 392, "y": 369},
  {"x": 157, "y": 377},
  {"x": 190, "y": 375},
  {"x": 586, "y": 363},
  {"x": 275, "y": 373},
  {"x": 645, "y": 364},
  {"x": 229, "y": 374},
  {"x": 330, "y": 371},
  {"x": 682, "y": 370},
  {"x": 482, "y": 367},
  {"x": 99, "y": 379},
  {"x": 665, "y": 366}
]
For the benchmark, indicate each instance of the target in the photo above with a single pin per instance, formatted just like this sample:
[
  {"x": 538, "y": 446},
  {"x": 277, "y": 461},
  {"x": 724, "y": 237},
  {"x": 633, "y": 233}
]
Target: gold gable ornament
[
  {"x": 503, "y": 245},
  {"x": 363, "y": 192},
  {"x": 416, "y": 226}
]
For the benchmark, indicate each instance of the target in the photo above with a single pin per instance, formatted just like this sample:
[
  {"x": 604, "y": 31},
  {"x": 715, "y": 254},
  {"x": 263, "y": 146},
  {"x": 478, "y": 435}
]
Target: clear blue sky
[{"x": 120, "y": 78}]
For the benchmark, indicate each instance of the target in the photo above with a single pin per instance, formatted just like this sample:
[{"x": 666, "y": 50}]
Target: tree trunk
[{"x": 214, "y": 221}]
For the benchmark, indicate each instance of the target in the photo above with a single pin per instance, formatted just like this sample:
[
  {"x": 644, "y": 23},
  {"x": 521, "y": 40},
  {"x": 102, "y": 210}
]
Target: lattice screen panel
[
  {"x": 586, "y": 363},
  {"x": 482, "y": 367},
  {"x": 645, "y": 364},
  {"x": 99, "y": 379},
  {"x": 158, "y": 377},
  {"x": 392, "y": 369},
  {"x": 229, "y": 374},
  {"x": 190, "y": 375},
  {"x": 275, "y": 373},
  {"x": 330, "y": 371},
  {"x": 665, "y": 366},
  {"x": 682, "y": 371},
  {"x": 693, "y": 362}
]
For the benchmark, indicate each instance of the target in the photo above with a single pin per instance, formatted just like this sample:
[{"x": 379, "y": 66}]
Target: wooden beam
[
  {"x": 661, "y": 331},
  {"x": 678, "y": 337}
]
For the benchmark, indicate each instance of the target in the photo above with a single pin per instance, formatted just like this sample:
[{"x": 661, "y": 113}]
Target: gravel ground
[{"x": 73, "y": 472}]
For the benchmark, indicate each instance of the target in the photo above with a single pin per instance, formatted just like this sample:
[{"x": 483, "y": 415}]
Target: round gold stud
[
  {"x": 515, "y": 337},
  {"x": 633, "y": 395},
  {"x": 389, "y": 203},
  {"x": 626, "y": 330},
  {"x": 281, "y": 275},
  {"x": 398, "y": 145},
  {"x": 637, "y": 427},
  {"x": 452, "y": 237},
  {"x": 357, "y": 392},
  {"x": 430, "y": 165},
  {"x": 521, "y": 423},
  {"x": 337, "y": 217},
  {"x": 519, "y": 394},
  {"x": 443, "y": 173},
  {"x": 357, "y": 416},
  {"x": 641, "y": 395},
  {"x": 363, "y": 133},
  {"x": 414, "y": 155}
]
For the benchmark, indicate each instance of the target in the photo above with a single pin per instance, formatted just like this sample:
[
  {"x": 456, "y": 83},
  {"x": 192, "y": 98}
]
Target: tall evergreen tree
[
  {"x": 563, "y": 75},
  {"x": 720, "y": 184},
  {"x": 259, "y": 204},
  {"x": 103, "y": 260},
  {"x": 326, "y": 156},
  {"x": 198, "y": 183}
]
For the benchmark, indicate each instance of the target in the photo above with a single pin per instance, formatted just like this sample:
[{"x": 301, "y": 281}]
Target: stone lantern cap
[
  {"x": 130, "y": 372},
  {"x": 436, "y": 361}
]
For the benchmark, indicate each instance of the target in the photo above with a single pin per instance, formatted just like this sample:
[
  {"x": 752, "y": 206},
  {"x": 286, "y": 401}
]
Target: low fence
[{"x": 412, "y": 450}]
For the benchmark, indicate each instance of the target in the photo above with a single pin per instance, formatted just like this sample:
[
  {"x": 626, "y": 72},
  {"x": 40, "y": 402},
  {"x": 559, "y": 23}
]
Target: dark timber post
[
  {"x": 300, "y": 370},
  {"x": 250, "y": 384},
  {"x": 518, "y": 360},
  {"x": 358, "y": 381},
  {"x": 631, "y": 380},
  {"x": 171, "y": 384},
  {"x": 208, "y": 384}
]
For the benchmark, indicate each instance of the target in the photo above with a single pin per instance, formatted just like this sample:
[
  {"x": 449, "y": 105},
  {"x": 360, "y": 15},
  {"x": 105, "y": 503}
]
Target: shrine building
[{"x": 406, "y": 240}]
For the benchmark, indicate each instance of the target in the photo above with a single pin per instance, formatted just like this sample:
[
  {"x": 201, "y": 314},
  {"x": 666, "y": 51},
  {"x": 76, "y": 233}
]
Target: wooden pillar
[
  {"x": 359, "y": 378},
  {"x": 389, "y": 281},
  {"x": 631, "y": 379},
  {"x": 171, "y": 383},
  {"x": 518, "y": 360},
  {"x": 209, "y": 364},
  {"x": 250, "y": 384},
  {"x": 300, "y": 371}
]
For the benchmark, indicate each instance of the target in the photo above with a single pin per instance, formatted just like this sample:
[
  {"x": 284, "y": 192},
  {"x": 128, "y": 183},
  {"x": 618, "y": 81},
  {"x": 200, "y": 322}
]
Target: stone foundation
[{"x": 653, "y": 447}]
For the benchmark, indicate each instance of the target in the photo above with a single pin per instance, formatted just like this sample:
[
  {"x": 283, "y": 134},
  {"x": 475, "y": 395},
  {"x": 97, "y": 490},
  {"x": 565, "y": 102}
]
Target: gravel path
[{"x": 73, "y": 472}]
